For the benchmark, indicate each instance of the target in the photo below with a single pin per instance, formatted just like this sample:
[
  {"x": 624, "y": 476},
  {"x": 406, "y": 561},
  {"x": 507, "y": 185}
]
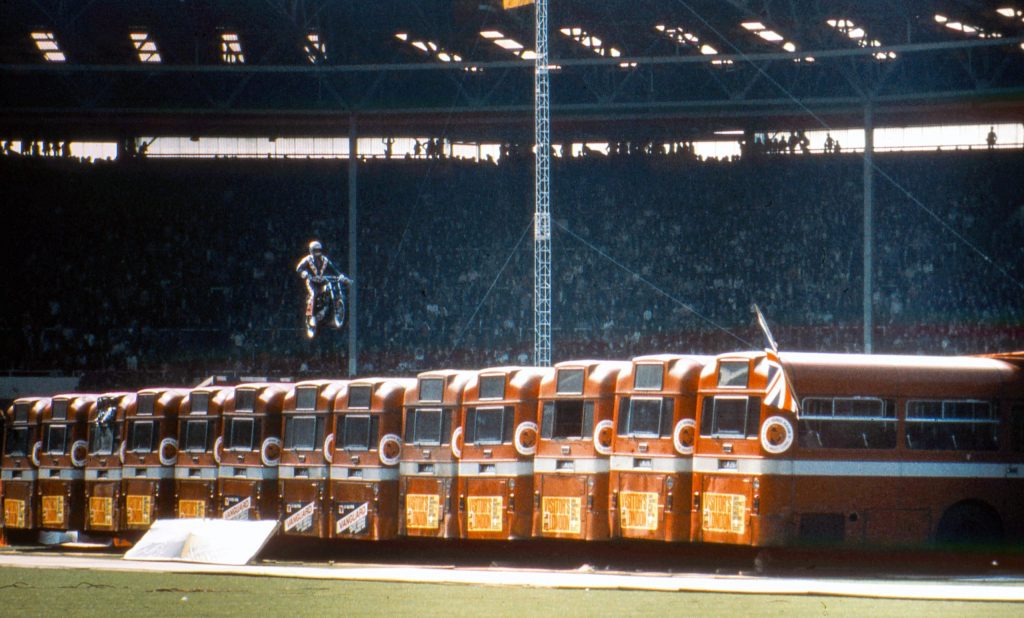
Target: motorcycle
[{"x": 329, "y": 302}]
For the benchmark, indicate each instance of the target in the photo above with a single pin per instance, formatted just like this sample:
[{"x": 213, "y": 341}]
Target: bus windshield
[
  {"x": 358, "y": 431},
  {"x": 567, "y": 418},
  {"x": 241, "y": 434},
  {"x": 56, "y": 439},
  {"x": 428, "y": 426},
  {"x": 645, "y": 417},
  {"x": 195, "y": 434},
  {"x": 102, "y": 437},
  {"x": 303, "y": 433},
  {"x": 140, "y": 437},
  {"x": 17, "y": 442},
  {"x": 489, "y": 425}
]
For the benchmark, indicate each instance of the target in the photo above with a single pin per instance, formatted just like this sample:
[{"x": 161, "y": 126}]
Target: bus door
[
  {"x": 367, "y": 451},
  {"x": 19, "y": 469},
  {"x": 103, "y": 463},
  {"x": 571, "y": 468},
  {"x": 251, "y": 452},
  {"x": 149, "y": 453},
  {"x": 429, "y": 470},
  {"x": 651, "y": 461},
  {"x": 199, "y": 452},
  {"x": 498, "y": 440},
  {"x": 62, "y": 462},
  {"x": 308, "y": 446}
]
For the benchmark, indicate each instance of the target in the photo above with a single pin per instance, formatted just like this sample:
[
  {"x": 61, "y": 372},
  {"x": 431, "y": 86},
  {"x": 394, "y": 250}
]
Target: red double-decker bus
[
  {"x": 103, "y": 463},
  {"x": 199, "y": 452},
  {"x": 885, "y": 450},
  {"x": 148, "y": 455},
  {"x": 62, "y": 462},
  {"x": 250, "y": 451},
  {"x": 306, "y": 457},
  {"x": 428, "y": 470},
  {"x": 19, "y": 467},
  {"x": 571, "y": 466},
  {"x": 651, "y": 461},
  {"x": 363, "y": 490},
  {"x": 497, "y": 440}
]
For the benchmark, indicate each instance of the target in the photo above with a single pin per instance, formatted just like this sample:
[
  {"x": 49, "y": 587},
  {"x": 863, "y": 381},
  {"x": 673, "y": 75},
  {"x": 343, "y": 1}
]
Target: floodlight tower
[{"x": 542, "y": 193}]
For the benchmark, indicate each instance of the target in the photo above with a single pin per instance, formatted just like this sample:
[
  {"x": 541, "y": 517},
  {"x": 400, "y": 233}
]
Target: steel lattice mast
[{"x": 542, "y": 193}]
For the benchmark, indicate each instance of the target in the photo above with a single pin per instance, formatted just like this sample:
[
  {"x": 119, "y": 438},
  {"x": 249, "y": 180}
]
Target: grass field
[{"x": 45, "y": 592}]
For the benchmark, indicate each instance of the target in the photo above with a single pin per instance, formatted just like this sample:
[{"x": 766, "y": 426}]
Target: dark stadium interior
[{"x": 172, "y": 266}]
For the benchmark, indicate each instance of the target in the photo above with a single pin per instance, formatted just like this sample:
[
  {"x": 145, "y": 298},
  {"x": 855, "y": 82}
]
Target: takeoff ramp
[{"x": 207, "y": 541}]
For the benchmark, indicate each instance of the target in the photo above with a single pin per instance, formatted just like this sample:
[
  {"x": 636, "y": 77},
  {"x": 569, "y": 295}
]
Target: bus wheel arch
[{"x": 969, "y": 522}]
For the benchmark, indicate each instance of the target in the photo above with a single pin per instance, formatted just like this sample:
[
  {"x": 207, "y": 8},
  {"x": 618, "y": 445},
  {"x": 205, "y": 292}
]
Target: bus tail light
[{"x": 696, "y": 501}]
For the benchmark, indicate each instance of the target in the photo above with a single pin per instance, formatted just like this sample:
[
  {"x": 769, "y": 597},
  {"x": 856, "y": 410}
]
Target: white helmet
[{"x": 315, "y": 247}]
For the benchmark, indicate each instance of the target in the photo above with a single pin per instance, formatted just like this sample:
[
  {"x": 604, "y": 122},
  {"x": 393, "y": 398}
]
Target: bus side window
[
  {"x": 847, "y": 422},
  {"x": 952, "y": 426},
  {"x": 1017, "y": 425}
]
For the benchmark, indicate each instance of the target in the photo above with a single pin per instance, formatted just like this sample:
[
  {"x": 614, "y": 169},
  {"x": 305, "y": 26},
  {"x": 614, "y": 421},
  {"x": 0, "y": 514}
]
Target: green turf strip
[{"x": 67, "y": 593}]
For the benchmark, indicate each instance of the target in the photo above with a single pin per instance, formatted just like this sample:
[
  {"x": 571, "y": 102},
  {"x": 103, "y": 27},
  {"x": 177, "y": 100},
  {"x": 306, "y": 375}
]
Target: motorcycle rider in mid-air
[{"x": 313, "y": 269}]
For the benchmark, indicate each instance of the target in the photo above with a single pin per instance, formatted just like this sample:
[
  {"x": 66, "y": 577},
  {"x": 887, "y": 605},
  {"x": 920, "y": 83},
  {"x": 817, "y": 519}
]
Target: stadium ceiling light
[
  {"x": 46, "y": 42},
  {"x": 959, "y": 26},
  {"x": 231, "y": 48},
  {"x": 316, "y": 49},
  {"x": 508, "y": 44},
  {"x": 145, "y": 47},
  {"x": 680, "y": 36},
  {"x": 771, "y": 36},
  {"x": 591, "y": 42},
  {"x": 434, "y": 49},
  {"x": 1009, "y": 11},
  {"x": 859, "y": 36}
]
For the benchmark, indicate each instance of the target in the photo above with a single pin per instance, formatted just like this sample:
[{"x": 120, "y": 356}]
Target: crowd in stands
[{"x": 176, "y": 269}]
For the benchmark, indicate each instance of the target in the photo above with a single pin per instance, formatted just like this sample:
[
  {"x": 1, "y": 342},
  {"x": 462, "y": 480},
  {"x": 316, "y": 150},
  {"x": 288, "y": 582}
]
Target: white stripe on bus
[{"x": 827, "y": 467}]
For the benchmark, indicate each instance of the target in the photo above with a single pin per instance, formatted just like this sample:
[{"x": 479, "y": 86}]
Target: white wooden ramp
[{"x": 209, "y": 541}]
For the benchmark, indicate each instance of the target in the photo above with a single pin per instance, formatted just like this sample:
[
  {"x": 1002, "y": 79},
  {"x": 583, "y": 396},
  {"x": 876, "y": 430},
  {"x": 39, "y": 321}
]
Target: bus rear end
[
  {"x": 651, "y": 461},
  {"x": 19, "y": 468},
  {"x": 571, "y": 467},
  {"x": 498, "y": 440},
  {"x": 367, "y": 451},
  {"x": 103, "y": 463},
  {"x": 250, "y": 453},
  {"x": 150, "y": 452},
  {"x": 62, "y": 462},
  {"x": 428, "y": 471},
  {"x": 308, "y": 447},
  {"x": 199, "y": 452}
]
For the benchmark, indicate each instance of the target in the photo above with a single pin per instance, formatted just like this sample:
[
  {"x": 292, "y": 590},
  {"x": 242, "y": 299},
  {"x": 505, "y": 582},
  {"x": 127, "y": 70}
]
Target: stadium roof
[{"x": 465, "y": 66}]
